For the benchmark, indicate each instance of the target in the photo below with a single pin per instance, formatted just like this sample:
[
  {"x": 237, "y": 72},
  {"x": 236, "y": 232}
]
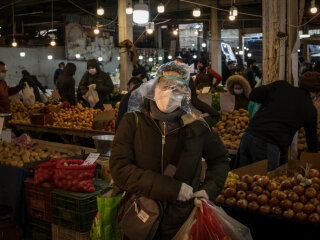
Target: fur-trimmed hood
[{"x": 240, "y": 80}]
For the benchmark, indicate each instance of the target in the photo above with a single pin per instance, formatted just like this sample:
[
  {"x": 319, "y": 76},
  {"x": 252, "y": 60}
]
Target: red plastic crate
[{"x": 38, "y": 199}]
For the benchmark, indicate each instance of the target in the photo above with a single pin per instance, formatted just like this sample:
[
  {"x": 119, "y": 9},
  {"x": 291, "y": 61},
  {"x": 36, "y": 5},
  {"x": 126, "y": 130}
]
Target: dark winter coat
[
  {"x": 285, "y": 109},
  {"x": 66, "y": 84},
  {"x": 104, "y": 85},
  {"x": 56, "y": 75},
  {"x": 136, "y": 163},
  {"x": 35, "y": 84},
  {"x": 242, "y": 100}
]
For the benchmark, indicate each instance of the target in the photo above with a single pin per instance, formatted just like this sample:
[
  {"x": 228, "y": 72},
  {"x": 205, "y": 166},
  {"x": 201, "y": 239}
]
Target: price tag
[
  {"x": 107, "y": 107},
  {"x": 206, "y": 90},
  {"x": 91, "y": 159},
  {"x": 1, "y": 124}
]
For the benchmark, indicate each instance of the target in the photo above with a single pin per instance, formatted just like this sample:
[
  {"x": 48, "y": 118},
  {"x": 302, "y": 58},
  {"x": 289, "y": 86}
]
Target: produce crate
[
  {"x": 75, "y": 211},
  {"x": 37, "y": 229},
  {"x": 41, "y": 119},
  {"x": 60, "y": 233}
]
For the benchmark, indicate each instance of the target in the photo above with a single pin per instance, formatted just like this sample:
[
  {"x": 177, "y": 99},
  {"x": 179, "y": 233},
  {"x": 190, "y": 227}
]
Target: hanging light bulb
[
  {"x": 140, "y": 57},
  {"x": 249, "y": 55},
  {"x": 53, "y": 42},
  {"x": 170, "y": 57},
  {"x": 175, "y": 32},
  {"x": 129, "y": 9},
  {"x": 313, "y": 8},
  {"x": 232, "y": 18},
  {"x": 241, "y": 52},
  {"x": 194, "y": 56},
  {"x": 160, "y": 58},
  {"x": 237, "y": 53},
  {"x": 141, "y": 13},
  {"x": 96, "y": 31},
  {"x": 150, "y": 59},
  {"x": 50, "y": 57},
  {"x": 118, "y": 57},
  {"x": 14, "y": 43},
  {"x": 100, "y": 59},
  {"x": 196, "y": 12},
  {"x": 160, "y": 8},
  {"x": 78, "y": 55},
  {"x": 150, "y": 27},
  {"x": 203, "y": 44},
  {"x": 196, "y": 32},
  {"x": 234, "y": 11},
  {"x": 22, "y": 54},
  {"x": 100, "y": 11}
]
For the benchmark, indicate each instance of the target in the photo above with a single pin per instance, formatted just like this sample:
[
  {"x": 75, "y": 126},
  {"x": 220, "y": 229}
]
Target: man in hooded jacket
[
  {"x": 158, "y": 154},
  {"x": 98, "y": 80},
  {"x": 66, "y": 84}
]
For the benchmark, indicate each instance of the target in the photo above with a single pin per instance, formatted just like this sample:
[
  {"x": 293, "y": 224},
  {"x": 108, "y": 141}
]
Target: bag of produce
[
  {"x": 91, "y": 97},
  {"x": 28, "y": 95},
  {"x": 45, "y": 171},
  {"x": 105, "y": 225},
  {"x": 71, "y": 175}
]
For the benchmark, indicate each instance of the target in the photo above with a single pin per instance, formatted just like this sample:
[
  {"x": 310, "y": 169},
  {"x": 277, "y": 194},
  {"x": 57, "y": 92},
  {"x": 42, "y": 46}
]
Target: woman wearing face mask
[
  {"x": 238, "y": 86},
  {"x": 158, "y": 152},
  {"x": 98, "y": 80}
]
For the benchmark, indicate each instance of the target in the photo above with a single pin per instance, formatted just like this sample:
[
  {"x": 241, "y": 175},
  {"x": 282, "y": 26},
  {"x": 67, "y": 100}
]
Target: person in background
[
  {"x": 140, "y": 72},
  {"x": 34, "y": 83},
  {"x": 251, "y": 76},
  {"x": 284, "y": 111},
  {"x": 99, "y": 81},
  {"x": 227, "y": 71},
  {"x": 5, "y": 90},
  {"x": 238, "y": 86},
  {"x": 206, "y": 75},
  {"x": 317, "y": 67},
  {"x": 307, "y": 67},
  {"x": 66, "y": 84},
  {"x": 157, "y": 150},
  {"x": 133, "y": 84},
  {"x": 58, "y": 72}
]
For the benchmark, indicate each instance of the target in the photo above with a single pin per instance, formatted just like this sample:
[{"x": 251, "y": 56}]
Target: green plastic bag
[
  {"x": 106, "y": 226},
  {"x": 254, "y": 107}
]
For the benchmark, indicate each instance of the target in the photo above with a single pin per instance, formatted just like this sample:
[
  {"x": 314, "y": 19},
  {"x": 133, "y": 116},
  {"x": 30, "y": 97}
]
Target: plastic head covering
[{"x": 172, "y": 80}]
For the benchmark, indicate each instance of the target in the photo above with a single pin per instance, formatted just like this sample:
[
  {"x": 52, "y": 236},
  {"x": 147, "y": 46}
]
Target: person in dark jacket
[
  {"x": 97, "y": 79},
  {"x": 238, "y": 86},
  {"x": 227, "y": 71},
  {"x": 58, "y": 72},
  {"x": 307, "y": 67},
  {"x": 284, "y": 110},
  {"x": 251, "y": 76},
  {"x": 206, "y": 75},
  {"x": 140, "y": 72},
  {"x": 66, "y": 84},
  {"x": 34, "y": 83},
  {"x": 133, "y": 84},
  {"x": 158, "y": 155}
]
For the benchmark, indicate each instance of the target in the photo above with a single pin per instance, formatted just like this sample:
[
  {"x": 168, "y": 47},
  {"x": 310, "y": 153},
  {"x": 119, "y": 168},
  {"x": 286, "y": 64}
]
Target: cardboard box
[
  {"x": 101, "y": 120},
  {"x": 41, "y": 119}
]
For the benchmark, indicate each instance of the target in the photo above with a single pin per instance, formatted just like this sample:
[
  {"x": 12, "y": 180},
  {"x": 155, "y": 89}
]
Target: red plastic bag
[
  {"x": 45, "y": 171},
  {"x": 71, "y": 175},
  {"x": 207, "y": 226}
]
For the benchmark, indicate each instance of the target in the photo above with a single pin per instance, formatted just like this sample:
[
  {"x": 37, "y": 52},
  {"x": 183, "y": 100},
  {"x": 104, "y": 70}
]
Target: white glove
[
  {"x": 201, "y": 194},
  {"x": 93, "y": 86},
  {"x": 186, "y": 192}
]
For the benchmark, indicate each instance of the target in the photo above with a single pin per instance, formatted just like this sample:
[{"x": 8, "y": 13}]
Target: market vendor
[
  {"x": 6, "y": 91},
  {"x": 66, "y": 84},
  {"x": 285, "y": 110},
  {"x": 157, "y": 151},
  {"x": 206, "y": 77},
  {"x": 238, "y": 86},
  {"x": 98, "y": 80}
]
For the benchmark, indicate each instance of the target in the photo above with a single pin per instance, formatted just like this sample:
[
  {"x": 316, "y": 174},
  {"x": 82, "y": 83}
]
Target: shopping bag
[
  {"x": 105, "y": 224},
  {"x": 44, "y": 98},
  {"x": 91, "y": 97},
  {"x": 227, "y": 102},
  {"x": 55, "y": 95},
  {"x": 184, "y": 231},
  {"x": 28, "y": 95},
  {"x": 234, "y": 229}
]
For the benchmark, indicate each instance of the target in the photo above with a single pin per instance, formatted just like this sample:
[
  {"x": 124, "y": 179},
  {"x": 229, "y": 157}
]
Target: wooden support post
[
  {"x": 214, "y": 42},
  {"x": 125, "y": 32}
]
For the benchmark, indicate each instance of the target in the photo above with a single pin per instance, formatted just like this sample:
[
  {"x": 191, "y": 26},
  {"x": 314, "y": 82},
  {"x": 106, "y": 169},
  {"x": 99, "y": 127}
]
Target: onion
[
  {"x": 288, "y": 213},
  {"x": 314, "y": 218},
  {"x": 265, "y": 209},
  {"x": 253, "y": 206},
  {"x": 220, "y": 199},
  {"x": 301, "y": 216},
  {"x": 263, "y": 199},
  {"x": 242, "y": 203},
  {"x": 309, "y": 208},
  {"x": 297, "y": 207}
]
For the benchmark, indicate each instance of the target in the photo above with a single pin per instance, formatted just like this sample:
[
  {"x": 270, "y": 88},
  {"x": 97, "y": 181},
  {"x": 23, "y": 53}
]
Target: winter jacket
[
  {"x": 251, "y": 76},
  {"x": 35, "y": 84},
  {"x": 242, "y": 100},
  {"x": 104, "y": 85},
  {"x": 56, "y": 75},
  {"x": 284, "y": 110},
  {"x": 66, "y": 84},
  {"x": 5, "y": 93},
  {"x": 136, "y": 158},
  {"x": 204, "y": 78},
  {"x": 226, "y": 73}
]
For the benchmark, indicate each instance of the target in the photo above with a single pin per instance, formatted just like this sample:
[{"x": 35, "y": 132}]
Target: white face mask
[
  {"x": 92, "y": 71},
  {"x": 166, "y": 101},
  {"x": 2, "y": 76},
  {"x": 238, "y": 91}
]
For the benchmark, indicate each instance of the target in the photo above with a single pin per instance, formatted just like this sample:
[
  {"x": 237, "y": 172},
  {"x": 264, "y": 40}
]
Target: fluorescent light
[
  {"x": 160, "y": 8},
  {"x": 141, "y": 13},
  {"x": 78, "y": 55},
  {"x": 22, "y": 54},
  {"x": 304, "y": 36},
  {"x": 196, "y": 12},
  {"x": 100, "y": 11},
  {"x": 100, "y": 59},
  {"x": 50, "y": 57}
]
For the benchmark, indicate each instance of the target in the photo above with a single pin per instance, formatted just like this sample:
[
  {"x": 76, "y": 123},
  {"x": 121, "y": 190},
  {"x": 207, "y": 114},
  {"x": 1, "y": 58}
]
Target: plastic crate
[
  {"x": 75, "y": 211},
  {"x": 37, "y": 229},
  {"x": 38, "y": 199},
  {"x": 60, "y": 233}
]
